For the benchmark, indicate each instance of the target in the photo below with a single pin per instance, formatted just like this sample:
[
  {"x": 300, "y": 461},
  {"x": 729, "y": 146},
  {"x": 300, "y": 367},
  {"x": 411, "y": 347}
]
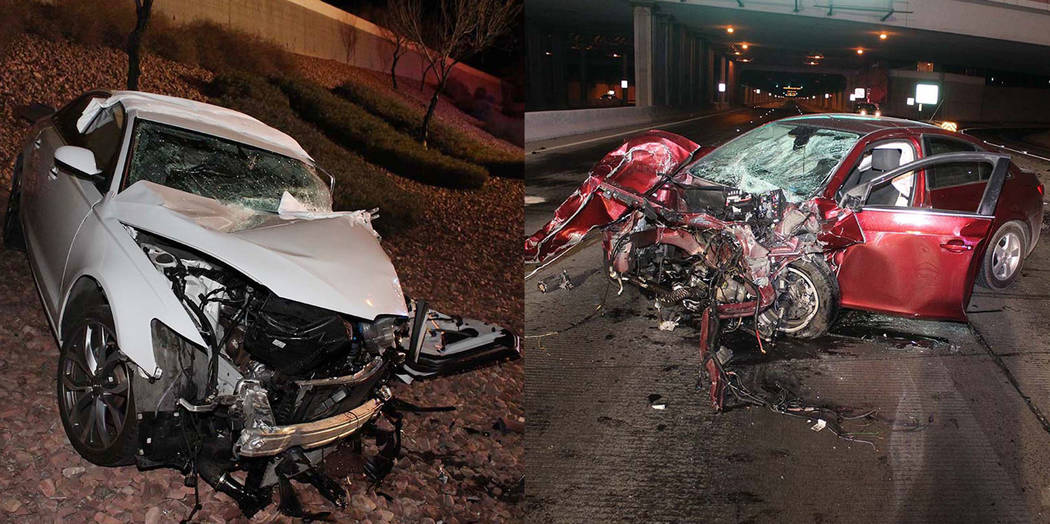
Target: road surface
[{"x": 957, "y": 435}]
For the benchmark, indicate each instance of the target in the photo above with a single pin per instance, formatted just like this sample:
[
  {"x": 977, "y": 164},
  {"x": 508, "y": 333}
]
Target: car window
[
  {"x": 797, "y": 158},
  {"x": 897, "y": 193},
  {"x": 103, "y": 137},
  {"x": 65, "y": 119},
  {"x": 221, "y": 169},
  {"x": 956, "y": 174},
  {"x": 957, "y": 186},
  {"x": 936, "y": 145}
]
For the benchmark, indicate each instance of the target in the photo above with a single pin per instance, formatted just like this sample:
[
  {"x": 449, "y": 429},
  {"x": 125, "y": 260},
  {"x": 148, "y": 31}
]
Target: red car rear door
[{"x": 919, "y": 261}]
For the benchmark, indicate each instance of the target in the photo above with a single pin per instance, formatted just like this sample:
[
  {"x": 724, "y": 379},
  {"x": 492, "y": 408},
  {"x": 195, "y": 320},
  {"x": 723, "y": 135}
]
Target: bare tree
[
  {"x": 460, "y": 29},
  {"x": 391, "y": 31},
  {"x": 142, "y": 11}
]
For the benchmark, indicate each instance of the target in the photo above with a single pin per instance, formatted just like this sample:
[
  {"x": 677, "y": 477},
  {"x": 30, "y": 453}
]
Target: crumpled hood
[{"x": 332, "y": 261}]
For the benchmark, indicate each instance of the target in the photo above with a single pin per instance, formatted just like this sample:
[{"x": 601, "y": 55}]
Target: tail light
[{"x": 1039, "y": 188}]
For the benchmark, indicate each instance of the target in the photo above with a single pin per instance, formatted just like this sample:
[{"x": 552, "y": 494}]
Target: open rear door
[{"x": 919, "y": 261}]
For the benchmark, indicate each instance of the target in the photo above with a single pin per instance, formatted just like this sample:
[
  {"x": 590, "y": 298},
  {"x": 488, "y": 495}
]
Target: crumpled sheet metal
[{"x": 637, "y": 166}]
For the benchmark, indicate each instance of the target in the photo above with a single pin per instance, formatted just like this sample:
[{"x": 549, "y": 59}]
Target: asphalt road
[{"x": 956, "y": 436}]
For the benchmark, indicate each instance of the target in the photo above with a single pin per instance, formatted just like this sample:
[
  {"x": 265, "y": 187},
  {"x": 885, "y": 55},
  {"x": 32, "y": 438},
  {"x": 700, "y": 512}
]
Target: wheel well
[{"x": 85, "y": 291}]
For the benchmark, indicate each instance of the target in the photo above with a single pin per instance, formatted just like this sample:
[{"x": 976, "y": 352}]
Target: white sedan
[{"x": 213, "y": 313}]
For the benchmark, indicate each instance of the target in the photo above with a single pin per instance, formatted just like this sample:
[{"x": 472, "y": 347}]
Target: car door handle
[
  {"x": 956, "y": 246},
  {"x": 37, "y": 143},
  {"x": 53, "y": 173}
]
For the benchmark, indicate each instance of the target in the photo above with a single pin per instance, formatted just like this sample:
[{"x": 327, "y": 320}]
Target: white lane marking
[
  {"x": 632, "y": 131},
  {"x": 531, "y": 199}
]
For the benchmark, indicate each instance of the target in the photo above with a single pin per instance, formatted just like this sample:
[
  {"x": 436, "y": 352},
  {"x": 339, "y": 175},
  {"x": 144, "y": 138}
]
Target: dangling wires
[{"x": 794, "y": 407}]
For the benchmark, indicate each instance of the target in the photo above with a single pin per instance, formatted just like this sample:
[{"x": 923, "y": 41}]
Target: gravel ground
[{"x": 455, "y": 466}]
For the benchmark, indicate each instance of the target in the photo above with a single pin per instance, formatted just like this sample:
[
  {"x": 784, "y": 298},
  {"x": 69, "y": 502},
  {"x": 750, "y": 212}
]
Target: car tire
[
  {"x": 13, "y": 238},
  {"x": 1004, "y": 256},
  {"x": 94, "y": 379},
  {"x": 817, "y": 286}
]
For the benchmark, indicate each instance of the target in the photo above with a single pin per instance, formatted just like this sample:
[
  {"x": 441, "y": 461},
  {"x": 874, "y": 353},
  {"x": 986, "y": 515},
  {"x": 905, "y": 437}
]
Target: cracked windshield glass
[
  {"x": 793, "y": 157},
  {"x": 224, "y": 170}
]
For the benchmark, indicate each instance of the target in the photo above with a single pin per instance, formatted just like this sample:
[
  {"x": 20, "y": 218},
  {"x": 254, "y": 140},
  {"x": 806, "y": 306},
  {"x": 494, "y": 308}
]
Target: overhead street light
[
  {"x": 730, "y": 29},
  {"x": 860, "y": 50},
  {"x": 744, "y": 46},
  {"x": 882, "y": 36}
]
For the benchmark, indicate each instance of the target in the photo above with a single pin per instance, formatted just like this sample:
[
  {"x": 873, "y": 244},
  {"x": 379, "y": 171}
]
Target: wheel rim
[
  {"x": 1006, "y": 256},
  {"x": 93, "y": 387},
  {"x": 800, "y": 300}
]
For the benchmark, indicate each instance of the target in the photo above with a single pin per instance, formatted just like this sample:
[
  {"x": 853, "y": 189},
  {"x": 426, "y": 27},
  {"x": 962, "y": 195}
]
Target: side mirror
[{"x": 78, "y": 161}]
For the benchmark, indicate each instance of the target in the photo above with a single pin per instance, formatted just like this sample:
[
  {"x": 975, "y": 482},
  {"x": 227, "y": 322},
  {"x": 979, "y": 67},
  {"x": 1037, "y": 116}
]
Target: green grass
[
  {"x": 359, "y": 184},
  {"x": 450, "y": 140},
  {"x": 352, "y": 127}
]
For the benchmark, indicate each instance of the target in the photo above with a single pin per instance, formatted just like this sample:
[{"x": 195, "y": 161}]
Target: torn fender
[{"x": 637, "y": 166}]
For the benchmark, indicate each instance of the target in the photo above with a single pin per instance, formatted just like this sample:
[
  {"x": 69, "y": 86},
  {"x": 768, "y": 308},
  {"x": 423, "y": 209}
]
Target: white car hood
[{"x": 333, "y": 261}]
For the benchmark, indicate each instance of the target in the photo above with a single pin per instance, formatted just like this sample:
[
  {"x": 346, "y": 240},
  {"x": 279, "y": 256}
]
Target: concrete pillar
[
  {"x": 583, "y": 77},
  {"x": 643, "y": 55},
  {"x": 558, "y": 69},
  {"x": 711, "y": 79}
]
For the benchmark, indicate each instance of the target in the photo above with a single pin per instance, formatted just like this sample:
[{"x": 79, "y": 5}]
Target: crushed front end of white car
[{"x": 214, "y": 314}]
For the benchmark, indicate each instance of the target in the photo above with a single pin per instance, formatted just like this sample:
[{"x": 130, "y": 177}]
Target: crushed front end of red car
[{"x": 706, "y": 254}]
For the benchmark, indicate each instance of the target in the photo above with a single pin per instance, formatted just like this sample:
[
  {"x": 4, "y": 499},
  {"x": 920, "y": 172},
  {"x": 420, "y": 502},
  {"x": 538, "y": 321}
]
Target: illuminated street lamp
[
  {"x": 743, "y": 46},
  {"x": 883, "y": 36},
  {"x": 730, "y": 29},
  {"x": 860, "y": 50},
  {"x": 623, "y": 84}
]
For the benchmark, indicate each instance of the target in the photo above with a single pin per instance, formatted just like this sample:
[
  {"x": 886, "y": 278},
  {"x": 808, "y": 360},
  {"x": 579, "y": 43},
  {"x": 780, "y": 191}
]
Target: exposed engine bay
[{"x": 279, "y": 381}]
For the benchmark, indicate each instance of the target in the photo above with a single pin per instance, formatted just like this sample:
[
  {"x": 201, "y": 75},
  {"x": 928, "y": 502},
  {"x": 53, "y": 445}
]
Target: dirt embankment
[{"x": 464, "y": 256}]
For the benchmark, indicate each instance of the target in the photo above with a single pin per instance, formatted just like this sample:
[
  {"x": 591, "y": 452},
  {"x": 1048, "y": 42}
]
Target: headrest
[{"x": 885, "y": 159}]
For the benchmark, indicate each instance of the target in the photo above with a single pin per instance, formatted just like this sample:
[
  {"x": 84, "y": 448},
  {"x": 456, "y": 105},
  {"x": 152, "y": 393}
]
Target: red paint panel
[
  {"x": 913, "y": 262},
  {"x": 636, "y": 166}
]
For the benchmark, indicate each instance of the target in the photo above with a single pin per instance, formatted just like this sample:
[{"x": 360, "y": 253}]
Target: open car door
[{"x": 920, "y": 261}]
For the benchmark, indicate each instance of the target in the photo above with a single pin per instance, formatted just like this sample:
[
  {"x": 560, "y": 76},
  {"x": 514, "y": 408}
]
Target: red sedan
[{"x": 789, "y": 221}]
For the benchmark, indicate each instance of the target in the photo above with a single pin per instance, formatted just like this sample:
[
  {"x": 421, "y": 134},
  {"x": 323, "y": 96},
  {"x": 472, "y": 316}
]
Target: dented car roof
[{"x": 207, "y": 118}]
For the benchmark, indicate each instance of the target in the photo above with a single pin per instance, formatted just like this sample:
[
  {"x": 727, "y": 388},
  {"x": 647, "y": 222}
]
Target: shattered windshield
[
  {"x": 222, "y": 169},
  {"x": 791, "y": 156}
]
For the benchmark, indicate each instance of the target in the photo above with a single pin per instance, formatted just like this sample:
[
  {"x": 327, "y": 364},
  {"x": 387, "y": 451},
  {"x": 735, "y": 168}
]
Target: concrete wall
[
  {"x": 313, "y": 28},
  {"x": 967, "y": 99},
  {"x": 545, "y": 125}
]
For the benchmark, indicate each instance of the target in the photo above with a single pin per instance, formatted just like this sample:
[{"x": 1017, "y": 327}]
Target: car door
[
  {"x": 920, "y": 261},
  {"x": 61, "y": 201}
]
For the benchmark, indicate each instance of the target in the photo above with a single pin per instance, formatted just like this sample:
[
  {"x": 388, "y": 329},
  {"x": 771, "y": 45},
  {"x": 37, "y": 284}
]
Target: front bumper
[{"x": 268, "y": 441}]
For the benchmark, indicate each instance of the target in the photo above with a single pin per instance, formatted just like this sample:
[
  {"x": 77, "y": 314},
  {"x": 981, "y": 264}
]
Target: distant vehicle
[
  {"x": 867, "y": 108},
  {"x": 609, "y": 96}
]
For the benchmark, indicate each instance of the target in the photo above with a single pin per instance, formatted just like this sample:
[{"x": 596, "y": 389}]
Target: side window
[
  {"x": 956, "y": 174},
  {"x": 957, "y": 186},
  {"x": 877, "y": 160},
  {"x": 936, "y": 145},
  {"x": 103, "y": 136},
  {"x": 66, "y": 118}
]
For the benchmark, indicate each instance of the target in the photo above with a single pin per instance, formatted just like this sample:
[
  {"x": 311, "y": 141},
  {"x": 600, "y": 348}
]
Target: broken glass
[
  {"x": 794, "y": 157},
  {"x": 224, "y": 170}
]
